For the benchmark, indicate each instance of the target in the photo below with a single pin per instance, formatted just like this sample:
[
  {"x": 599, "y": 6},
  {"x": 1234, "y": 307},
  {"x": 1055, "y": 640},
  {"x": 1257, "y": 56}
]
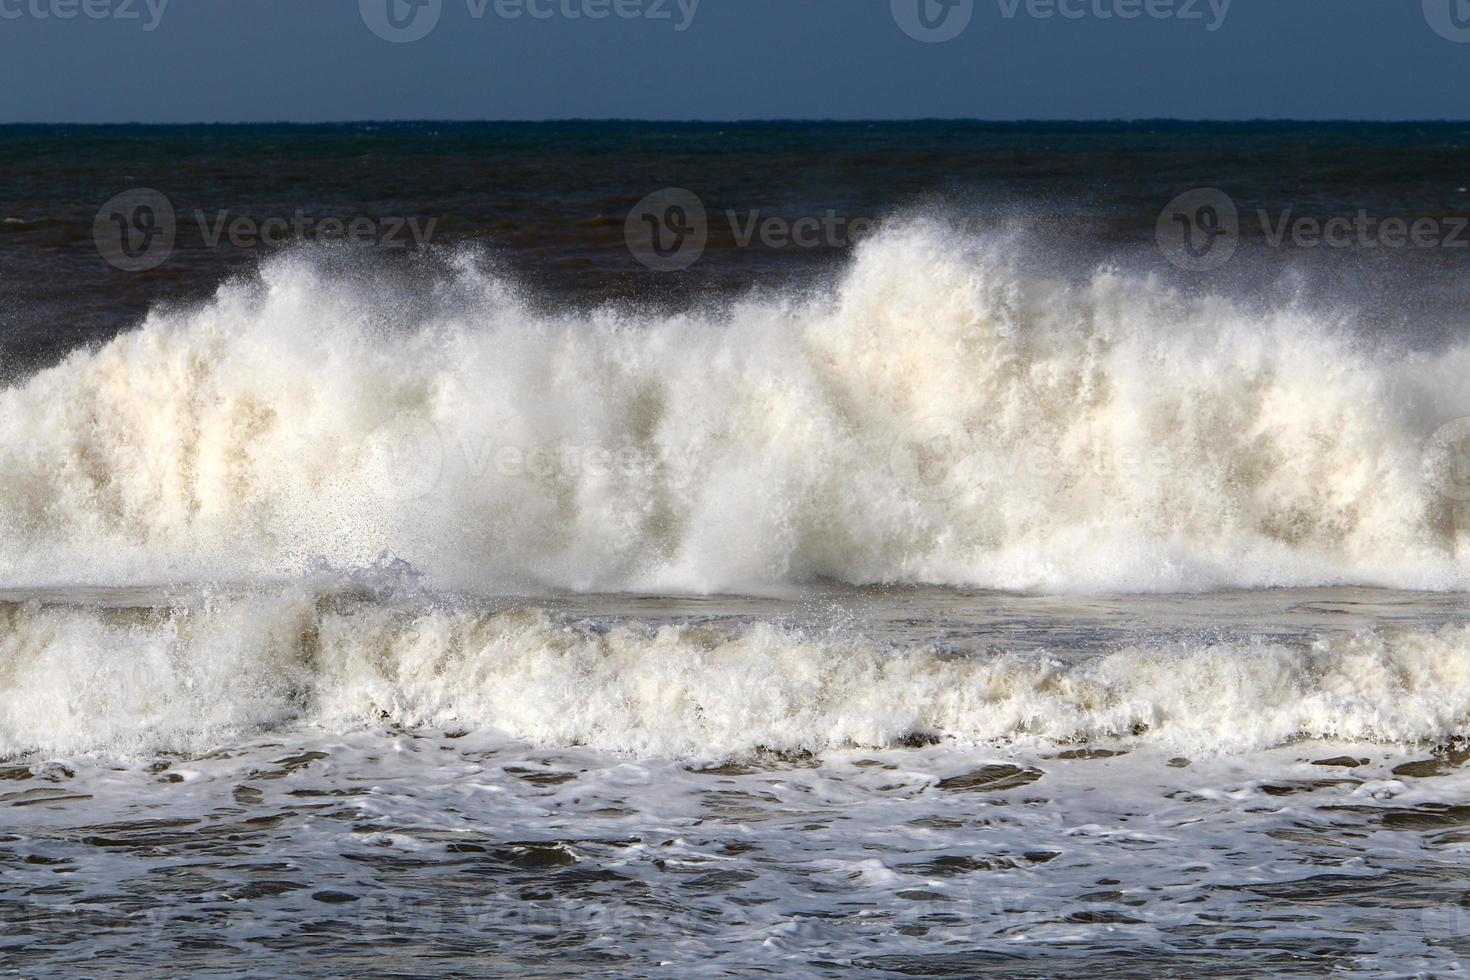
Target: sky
[{"x": 325, "y": 60}]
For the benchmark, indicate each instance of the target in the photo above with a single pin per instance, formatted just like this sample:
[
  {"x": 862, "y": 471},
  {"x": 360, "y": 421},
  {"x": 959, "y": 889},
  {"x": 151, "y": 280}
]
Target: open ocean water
[{"x": 714, "y": 550}]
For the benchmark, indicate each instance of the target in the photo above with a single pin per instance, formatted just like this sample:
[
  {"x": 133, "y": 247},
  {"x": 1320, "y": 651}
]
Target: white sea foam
[
  {"x": 939, "y": 416},
  {"x": 76, "y": 679}
]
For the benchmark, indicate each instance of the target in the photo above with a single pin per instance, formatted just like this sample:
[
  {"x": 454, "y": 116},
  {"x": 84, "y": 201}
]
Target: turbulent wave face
[
  {"x": 939, "y": 416},
  {"x": 185, "y": 677}
]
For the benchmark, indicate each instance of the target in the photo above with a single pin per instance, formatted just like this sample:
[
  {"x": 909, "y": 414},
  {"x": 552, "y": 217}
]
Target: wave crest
[
  {"x": 939, "y": 416},
  {"x": 187, "y": 677}
]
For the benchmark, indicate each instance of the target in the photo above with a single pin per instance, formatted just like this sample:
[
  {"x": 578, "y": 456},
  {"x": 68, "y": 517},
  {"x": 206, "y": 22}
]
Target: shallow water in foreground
[{"x": 291, "y": 839}]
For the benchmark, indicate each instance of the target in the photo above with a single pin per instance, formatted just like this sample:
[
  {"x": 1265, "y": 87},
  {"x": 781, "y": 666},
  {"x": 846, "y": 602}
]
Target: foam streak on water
[{"x": 202, "y": 671}]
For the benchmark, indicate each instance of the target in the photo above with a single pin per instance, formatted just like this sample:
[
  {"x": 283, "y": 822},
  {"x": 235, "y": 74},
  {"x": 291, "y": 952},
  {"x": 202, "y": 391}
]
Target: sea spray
[
  {"x": 940, "y": 415},
  {"x": 200, "y": 672}
]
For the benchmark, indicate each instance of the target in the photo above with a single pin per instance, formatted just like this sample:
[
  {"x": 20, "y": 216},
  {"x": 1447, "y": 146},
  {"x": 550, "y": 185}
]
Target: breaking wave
[
  {"x": 940, "y": 415},
  {"x": 190, "y": 676}
]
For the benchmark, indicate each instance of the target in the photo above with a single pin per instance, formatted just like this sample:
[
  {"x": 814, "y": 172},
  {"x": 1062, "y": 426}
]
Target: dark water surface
[{"x": 549, "y": 201}]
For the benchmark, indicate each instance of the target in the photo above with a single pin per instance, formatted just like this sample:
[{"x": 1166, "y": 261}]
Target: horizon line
[{"x": 768, "y": 121}]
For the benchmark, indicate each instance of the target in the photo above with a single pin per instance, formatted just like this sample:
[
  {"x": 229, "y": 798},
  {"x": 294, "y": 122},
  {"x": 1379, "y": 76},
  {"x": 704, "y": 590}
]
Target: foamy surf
[
  {"x": 714, "y": 775},
  {"x": 196, "y": 674},
  {"x": 939, "y": 416}
]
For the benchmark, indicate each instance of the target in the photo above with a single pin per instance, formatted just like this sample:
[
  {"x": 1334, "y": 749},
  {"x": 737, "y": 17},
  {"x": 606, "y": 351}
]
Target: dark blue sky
[{"x": 306, "y": 60}]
